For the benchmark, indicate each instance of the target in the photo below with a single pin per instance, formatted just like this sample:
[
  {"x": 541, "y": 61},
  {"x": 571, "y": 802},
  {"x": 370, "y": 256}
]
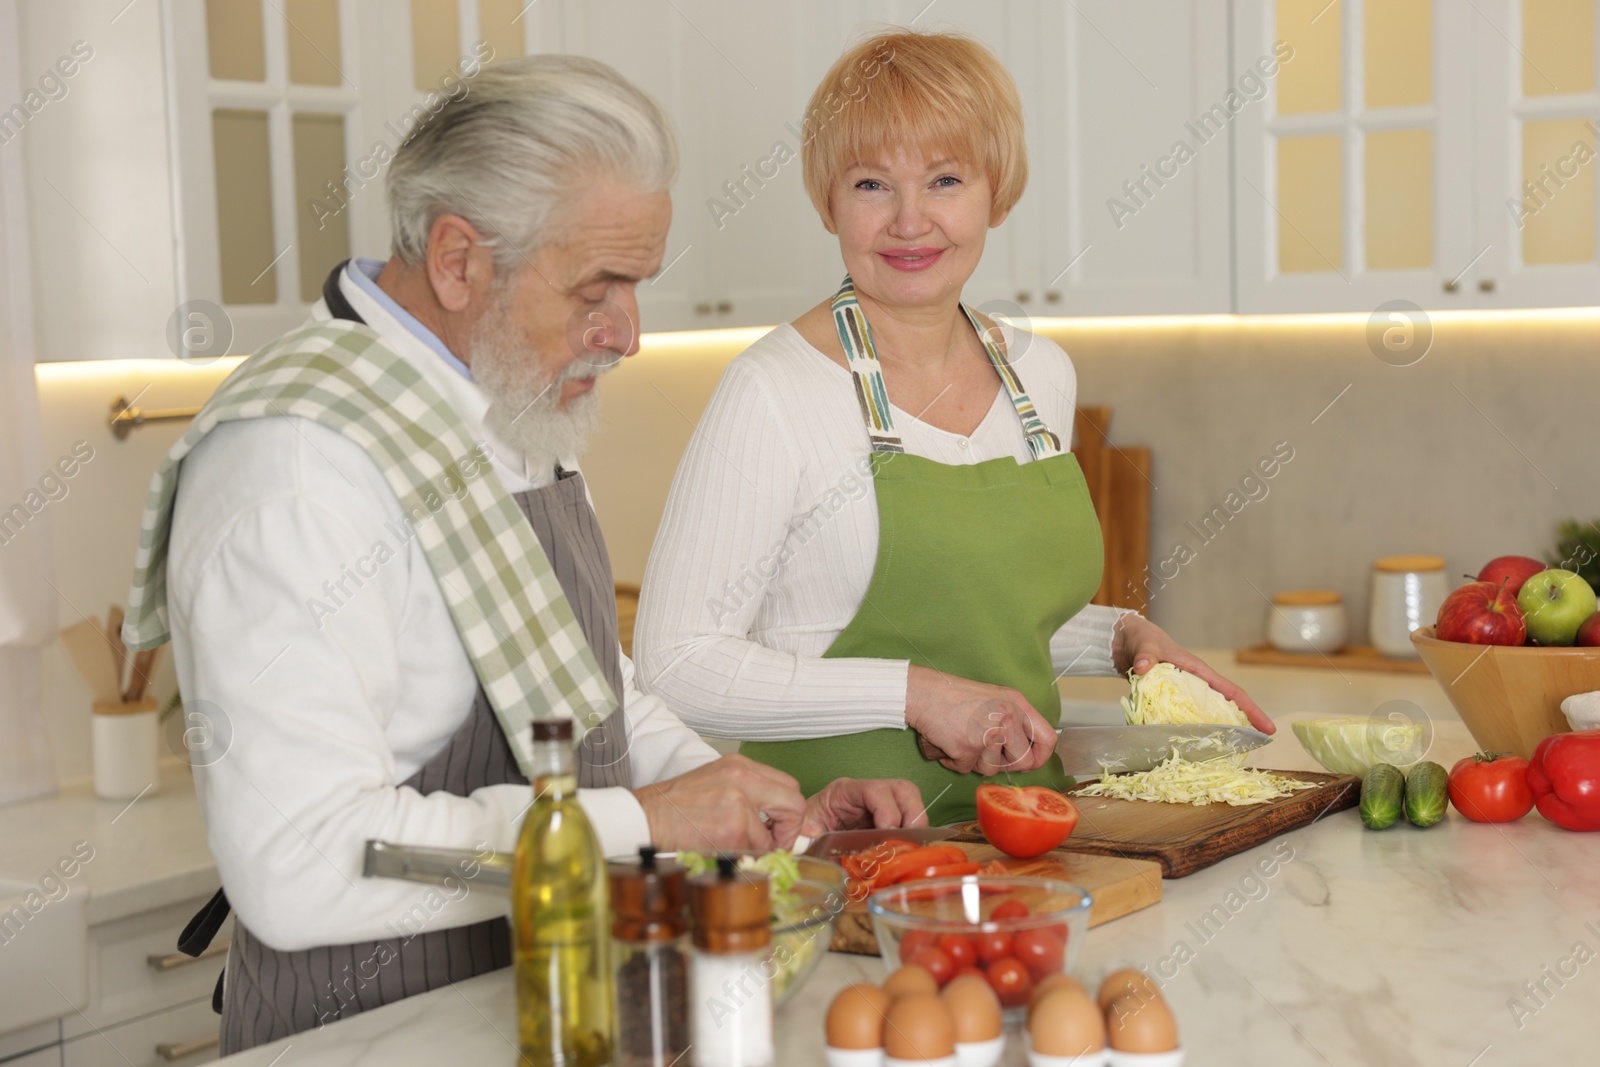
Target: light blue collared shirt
[{"x": 364, "y": 273}]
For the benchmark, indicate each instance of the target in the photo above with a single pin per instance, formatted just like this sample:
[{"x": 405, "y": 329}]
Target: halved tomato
[{"x": 1026, "y": 821}]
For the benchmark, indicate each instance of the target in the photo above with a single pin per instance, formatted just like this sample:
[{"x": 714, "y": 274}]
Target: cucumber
[
  {"x": 1381, "y": 793},
  {"x": 1427, "y": 792}
]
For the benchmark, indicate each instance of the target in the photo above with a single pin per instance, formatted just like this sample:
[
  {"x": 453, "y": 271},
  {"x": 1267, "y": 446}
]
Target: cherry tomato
[
  {"x": 992, "y": 947},
  {"x": 935, "y": 961},
  {"x": 1024, "y": 822},
  {"x": 1010, "y": 909},
  {"x": 1491, "y": 787},
  {"x": 1041, "y": 951},
  {"x": 960, "y": 949},
  {"x": 915, "y": 941},
  {"x": 1011, "y": 981}
]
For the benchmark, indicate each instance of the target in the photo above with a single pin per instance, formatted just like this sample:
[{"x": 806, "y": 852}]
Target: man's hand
[
  {"x": 1141, "y": 644},
  {"x": 729, "y": 804},
  {"x": 864, "y": 804}
]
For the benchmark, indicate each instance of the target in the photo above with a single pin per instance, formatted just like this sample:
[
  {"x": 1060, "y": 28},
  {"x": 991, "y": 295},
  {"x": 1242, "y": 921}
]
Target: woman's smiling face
[{"x": 911, "y": 227}]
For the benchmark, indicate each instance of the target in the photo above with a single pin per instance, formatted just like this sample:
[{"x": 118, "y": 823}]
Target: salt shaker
[
  {"x": 730, "y": 992},
  {"x": 650, "y": 954}
]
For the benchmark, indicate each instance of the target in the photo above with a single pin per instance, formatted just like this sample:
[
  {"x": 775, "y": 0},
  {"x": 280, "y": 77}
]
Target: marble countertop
[
  {"x": 1463, "y": 945},
  {"x": 147, "y": 853}
]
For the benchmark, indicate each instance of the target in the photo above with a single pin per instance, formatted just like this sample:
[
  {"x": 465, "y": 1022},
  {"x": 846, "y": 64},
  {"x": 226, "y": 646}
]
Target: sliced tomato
[
  {"x": 899, "y": 867},
  {"x": 1026, "y": 821}
]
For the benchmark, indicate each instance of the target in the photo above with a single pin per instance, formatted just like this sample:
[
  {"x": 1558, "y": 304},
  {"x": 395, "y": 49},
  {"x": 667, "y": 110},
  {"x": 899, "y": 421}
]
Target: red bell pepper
[{"x": 1564, "y": 775}]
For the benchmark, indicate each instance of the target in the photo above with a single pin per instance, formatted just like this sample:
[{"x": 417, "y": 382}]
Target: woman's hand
[
  {"x": 864, "y": 804},
  {"x": 982, "y": 728},
  {"x": 1141, "y": 644}
]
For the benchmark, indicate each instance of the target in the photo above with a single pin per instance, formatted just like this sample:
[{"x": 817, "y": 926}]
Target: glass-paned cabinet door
[
  {"x": 1540, "y": 130},
  {"x": 1354, "y": 170},
  {"x": 285, "y": 114}
]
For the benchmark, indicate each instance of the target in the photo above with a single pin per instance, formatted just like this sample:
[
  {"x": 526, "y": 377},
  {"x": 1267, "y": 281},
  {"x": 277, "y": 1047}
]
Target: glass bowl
[{"x": 955, "y": 916}]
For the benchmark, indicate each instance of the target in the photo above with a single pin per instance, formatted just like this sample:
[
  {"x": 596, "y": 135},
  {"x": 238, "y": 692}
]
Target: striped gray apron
[{"x": 267, "y": 994}]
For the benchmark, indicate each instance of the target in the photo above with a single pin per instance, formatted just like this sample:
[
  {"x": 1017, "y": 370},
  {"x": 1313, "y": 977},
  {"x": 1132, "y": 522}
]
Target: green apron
[{"x": 978, "y": 566}]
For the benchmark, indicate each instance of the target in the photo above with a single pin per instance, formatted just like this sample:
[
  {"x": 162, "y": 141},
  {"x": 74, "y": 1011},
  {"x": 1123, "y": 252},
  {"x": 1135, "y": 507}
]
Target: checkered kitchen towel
[{"x": 507, "y": 605}]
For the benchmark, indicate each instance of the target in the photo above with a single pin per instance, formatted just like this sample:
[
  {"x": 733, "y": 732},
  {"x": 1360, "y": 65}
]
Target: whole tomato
[
  {"x": 960, "y": 948},
  {"x": 935, "y": 961},
  {"x": 1011, "y": 981},
  {"x": 1491, "y": 787},
  {"x": 1041, "y": 951}
]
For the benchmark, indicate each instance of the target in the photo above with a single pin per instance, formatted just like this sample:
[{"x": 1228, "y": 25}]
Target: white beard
[{"x": 524, "y": 399}]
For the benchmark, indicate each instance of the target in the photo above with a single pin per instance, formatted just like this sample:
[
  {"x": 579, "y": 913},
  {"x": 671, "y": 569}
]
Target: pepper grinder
[
  {"x": 649, "y": 950},
  {"x": 730, "y": 989}
]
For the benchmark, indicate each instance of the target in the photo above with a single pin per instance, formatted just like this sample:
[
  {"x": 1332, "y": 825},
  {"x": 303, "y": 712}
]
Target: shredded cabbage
[
  {"x": 780, "y": 867},
  {"x": 1175, "y": 780},
  {"x": 1168, "y": 694},
  {"x": 1355, "y": 746}
]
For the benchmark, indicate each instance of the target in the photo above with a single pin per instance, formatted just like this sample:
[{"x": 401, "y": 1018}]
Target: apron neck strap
[{"x": 855, "y": 335}]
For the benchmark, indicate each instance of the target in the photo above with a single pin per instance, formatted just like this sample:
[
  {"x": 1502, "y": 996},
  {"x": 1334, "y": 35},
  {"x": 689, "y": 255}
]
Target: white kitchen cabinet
[
  {"x": 1380, "y": 164},
  {"x": 1538, "y": 133},
  {"x": 45, "y": 1057},
  {"x": 185, "y": 1035},
  {"x": 43, "y": 1038}
]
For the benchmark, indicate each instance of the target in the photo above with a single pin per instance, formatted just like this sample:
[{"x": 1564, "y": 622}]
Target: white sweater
[{"x": 771, "y": 533}]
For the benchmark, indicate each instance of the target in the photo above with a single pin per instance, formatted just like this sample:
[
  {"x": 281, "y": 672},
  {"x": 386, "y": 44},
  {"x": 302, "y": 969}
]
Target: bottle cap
[
  {"x": 647, "y": 899},
  {"x": 732, "y": 909},
  {"x": 552, "y": 729}
]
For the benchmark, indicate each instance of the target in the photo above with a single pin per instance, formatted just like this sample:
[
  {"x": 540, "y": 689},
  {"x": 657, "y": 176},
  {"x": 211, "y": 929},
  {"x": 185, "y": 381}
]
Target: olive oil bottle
[{"x": 559, "y": 917}]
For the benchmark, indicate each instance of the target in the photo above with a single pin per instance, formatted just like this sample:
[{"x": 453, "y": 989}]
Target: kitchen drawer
[
  {"x": 183, "y": 1035},
  {"x": 19, "y": 1041},
  {"x": 135, "y": 968},
  {"x": 45, "y": 1057}
]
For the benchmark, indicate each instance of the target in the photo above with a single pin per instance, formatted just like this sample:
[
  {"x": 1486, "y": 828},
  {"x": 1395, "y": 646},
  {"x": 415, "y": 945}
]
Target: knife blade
[
  {"x": 848, "y": 842},
  {"x": 1083, "y": 749}
]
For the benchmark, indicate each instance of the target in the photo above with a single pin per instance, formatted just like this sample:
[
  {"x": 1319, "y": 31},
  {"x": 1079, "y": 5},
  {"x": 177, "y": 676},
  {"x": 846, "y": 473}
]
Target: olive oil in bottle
[{"x": 559, "y": 917}]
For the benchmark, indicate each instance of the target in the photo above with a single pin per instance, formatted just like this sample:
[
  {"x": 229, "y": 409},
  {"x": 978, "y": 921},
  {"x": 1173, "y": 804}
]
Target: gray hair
[{"x": 502, "y": 154}]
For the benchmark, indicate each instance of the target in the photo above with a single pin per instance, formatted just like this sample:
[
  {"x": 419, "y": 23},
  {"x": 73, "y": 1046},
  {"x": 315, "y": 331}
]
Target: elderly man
[{"x": 378, "y": 564}]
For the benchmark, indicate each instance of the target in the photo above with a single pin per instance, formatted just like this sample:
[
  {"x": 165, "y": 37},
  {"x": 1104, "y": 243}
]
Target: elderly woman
[{"x": 878, "y": 531}]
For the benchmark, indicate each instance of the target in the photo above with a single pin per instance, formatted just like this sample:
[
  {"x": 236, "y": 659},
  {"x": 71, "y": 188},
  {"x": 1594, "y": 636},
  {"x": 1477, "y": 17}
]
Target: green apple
[{"x": 1556, "y": 603}]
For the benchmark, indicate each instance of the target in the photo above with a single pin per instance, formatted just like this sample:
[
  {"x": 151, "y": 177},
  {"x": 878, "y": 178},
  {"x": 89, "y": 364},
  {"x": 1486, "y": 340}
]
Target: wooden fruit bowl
[{"x": 1509, "y": 695}]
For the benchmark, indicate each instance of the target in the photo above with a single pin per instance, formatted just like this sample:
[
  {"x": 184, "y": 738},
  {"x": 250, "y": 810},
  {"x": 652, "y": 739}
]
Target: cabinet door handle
[
  {"x": 1052, "y": 297},
  {"x": 723, "y": 307},
  {"x": 181, "y": 1049},
  {"x": 183, "y": 959},
  {"x": 1486, "y": 285},
  {"x": 1451, "y": 286},
  {"x": 1023, "y": 296},
  {"x": 702, "y": 309}
]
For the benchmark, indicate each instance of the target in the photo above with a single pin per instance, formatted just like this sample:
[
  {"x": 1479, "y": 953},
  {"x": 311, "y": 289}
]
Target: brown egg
[
  {"x": 1054, "y": 982},
  {"x": 1066, "y": 1023},
  {"x": 974, "y": 1009},
  {"x": 1128, "y": 980},
  {"x": 1139, "y": 1025},
  {"x": 918, "y": 1028},
  {"x": 855, "y": 1018},
  {"x": 910, "y": 979}
]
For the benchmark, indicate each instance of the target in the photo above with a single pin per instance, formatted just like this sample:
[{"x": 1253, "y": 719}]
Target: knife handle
[{"x": 929, "y": 750}]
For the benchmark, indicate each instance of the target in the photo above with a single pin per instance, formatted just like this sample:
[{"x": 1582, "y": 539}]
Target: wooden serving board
[
  {"x": 1119, "y": 884},
  {"x": 1184, "y": 838},
  {"x": 1350, "y": 658}
]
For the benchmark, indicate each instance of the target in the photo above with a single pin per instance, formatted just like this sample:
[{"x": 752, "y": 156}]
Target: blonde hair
[{"x": 941, "y": 92}]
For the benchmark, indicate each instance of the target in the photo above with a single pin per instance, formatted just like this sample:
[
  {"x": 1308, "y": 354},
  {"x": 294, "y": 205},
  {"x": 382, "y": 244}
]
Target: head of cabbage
[
  {"x": 1168, "y": 694},
  {"x": 1355, "y": 746}
]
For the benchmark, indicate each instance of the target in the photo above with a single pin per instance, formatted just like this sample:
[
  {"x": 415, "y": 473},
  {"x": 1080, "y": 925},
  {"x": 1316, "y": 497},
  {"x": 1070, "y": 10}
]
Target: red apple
[
  {"x": 1514, "y": 570},
  {"x": 1482, "y": 613},
  {"x": 1589, "y": 632}
]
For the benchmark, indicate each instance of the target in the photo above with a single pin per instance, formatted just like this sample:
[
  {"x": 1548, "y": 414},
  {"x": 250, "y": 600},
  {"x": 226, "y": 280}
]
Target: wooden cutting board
[
  {"x": 1184, "y": 838},
  {"x": 1119, "y": 885}
]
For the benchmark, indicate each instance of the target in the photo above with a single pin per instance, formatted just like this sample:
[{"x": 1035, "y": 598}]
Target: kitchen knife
[
  {"x": 848, "y": 842},
  {"x": 1138, "y": 748}
]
